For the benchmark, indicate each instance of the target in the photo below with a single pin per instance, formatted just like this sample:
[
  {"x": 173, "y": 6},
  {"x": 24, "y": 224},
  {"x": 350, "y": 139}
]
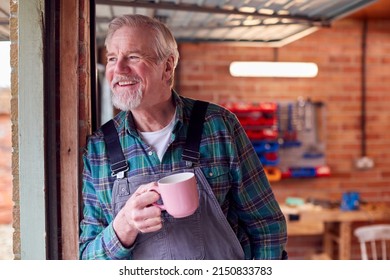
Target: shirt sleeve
[
  {"x": 256, "y": 206},
  {"x": 98, "y": 239}
]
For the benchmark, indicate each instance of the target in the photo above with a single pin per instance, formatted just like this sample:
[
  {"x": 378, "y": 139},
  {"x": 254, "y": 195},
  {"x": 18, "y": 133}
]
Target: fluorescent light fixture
[{"x": 273, "y": 69}]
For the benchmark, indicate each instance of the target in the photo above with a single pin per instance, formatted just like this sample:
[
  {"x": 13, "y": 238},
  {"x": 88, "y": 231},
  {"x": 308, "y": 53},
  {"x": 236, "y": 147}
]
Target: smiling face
[{"x": 138, "y": 79}]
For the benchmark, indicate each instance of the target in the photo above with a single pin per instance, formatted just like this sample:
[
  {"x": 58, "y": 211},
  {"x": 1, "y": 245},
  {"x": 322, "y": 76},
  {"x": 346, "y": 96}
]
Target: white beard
[{"x": 126, "y": 101}]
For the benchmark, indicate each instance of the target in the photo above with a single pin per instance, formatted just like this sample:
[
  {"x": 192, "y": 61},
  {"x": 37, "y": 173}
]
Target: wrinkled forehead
[
  {"x": 131, "y": 39},
  {"x": 131, "y": 32}
]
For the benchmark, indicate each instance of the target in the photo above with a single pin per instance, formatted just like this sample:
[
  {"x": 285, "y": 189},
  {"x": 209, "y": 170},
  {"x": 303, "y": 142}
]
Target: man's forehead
[{"x": 130, "y": 37}]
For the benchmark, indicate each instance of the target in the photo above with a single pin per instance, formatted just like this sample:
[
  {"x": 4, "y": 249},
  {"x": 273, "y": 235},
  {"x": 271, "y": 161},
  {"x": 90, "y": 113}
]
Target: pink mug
[{"x": 179, "y": 194}]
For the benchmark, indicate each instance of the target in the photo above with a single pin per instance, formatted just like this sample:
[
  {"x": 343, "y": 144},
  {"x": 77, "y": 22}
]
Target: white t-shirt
[{"x": 159, "y": 140}]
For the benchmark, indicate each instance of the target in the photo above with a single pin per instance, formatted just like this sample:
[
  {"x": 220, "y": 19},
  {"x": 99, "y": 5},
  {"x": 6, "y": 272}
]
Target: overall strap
[
  {"x": 114, "y": 149},
  {"x": 194, "y": 133}
]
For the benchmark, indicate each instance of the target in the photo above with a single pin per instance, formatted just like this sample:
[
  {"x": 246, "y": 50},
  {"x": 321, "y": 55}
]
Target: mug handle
[{"x": 161, "y": 206}]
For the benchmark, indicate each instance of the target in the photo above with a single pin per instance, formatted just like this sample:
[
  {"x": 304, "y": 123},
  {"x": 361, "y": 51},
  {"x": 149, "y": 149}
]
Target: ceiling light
[{"x": 273, "y": 69}]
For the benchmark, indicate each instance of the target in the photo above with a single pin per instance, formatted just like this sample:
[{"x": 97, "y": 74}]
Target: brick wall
[
  {"x": 5, "y": 170},
  {"x": 5, "y": 157},
  {"x": 6, "y": 203},
  {"x": 204, "y": 73}
]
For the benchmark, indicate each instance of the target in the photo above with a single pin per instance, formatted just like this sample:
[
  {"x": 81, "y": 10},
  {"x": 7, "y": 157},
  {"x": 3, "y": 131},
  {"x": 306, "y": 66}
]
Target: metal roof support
[{"x": 212, "y": 10}]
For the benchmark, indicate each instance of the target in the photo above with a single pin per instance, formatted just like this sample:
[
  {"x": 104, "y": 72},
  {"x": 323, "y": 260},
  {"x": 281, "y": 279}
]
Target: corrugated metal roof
[
  {"x": 265, "y": 22},
  {"x": 268, "y": 22}
]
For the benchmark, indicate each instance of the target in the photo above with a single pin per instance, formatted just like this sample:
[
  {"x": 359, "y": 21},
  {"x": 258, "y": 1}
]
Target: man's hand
[{"x": 138, "y": 215}]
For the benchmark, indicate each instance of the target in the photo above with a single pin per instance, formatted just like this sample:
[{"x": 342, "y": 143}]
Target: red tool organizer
[{"x": 286, "y": 137}]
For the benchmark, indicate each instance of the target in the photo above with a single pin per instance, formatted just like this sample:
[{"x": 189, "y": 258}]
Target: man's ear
[{"x": 169, "y": 68}]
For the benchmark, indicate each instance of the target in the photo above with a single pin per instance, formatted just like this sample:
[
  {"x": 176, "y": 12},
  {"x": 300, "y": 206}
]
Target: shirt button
[
  {"x": 150, "y": 153},
  {"x": 211, "y": 174}
]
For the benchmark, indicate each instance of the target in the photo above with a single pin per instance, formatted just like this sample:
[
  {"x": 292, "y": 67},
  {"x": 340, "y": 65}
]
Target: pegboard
[{"x": 287, "y": 136}]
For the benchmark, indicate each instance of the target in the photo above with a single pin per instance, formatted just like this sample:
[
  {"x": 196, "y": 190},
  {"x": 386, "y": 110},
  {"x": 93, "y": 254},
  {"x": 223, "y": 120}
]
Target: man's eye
[
  {"x": 111, "y": 59},
  {"x": 134, "y": 58}
]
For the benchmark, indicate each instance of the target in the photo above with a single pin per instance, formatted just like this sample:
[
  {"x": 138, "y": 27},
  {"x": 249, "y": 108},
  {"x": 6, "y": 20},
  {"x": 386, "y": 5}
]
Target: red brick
[{"x": 337, "y": 50}]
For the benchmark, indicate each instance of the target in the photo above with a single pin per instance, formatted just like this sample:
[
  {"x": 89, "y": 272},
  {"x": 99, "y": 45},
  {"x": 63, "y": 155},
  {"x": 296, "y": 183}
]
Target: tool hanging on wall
[
  {"x": 288, "y": 125},
  {"x": 313, "y": 149},
  {"x": 305, "y": 121}
]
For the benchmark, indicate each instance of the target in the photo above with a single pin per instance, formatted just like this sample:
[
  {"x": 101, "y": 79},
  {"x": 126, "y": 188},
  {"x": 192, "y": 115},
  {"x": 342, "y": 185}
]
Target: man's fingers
[
  {"x": 149, "y": 219},
  {"x": 144, "y": 199},
  {"x": 150, "y": 225},
  {"x": 145, "y": 188}
]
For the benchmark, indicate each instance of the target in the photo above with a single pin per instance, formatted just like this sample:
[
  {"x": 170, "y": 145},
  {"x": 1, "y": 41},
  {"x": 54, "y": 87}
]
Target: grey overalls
[{"x": 204, "y": 235}]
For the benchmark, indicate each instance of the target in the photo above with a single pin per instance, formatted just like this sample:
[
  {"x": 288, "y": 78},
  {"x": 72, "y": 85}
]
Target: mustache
[{"x": 118, "y": 79}]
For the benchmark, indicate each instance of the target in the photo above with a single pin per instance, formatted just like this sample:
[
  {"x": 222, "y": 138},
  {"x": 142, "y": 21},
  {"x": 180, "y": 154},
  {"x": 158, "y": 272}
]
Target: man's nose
[{"x": 122, "y": 66}]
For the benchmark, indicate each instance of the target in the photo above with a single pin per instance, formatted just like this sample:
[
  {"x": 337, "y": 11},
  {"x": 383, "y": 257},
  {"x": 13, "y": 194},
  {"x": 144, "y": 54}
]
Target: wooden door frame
[{"x": 75, "y": 115}]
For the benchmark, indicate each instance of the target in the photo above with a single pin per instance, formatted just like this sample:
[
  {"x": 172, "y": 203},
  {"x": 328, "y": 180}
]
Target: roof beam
[{"x": 215, "y": 10}]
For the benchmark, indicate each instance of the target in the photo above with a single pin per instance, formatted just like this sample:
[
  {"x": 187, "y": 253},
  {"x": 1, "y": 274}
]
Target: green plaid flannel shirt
[{"x": 228, "y": 161}]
